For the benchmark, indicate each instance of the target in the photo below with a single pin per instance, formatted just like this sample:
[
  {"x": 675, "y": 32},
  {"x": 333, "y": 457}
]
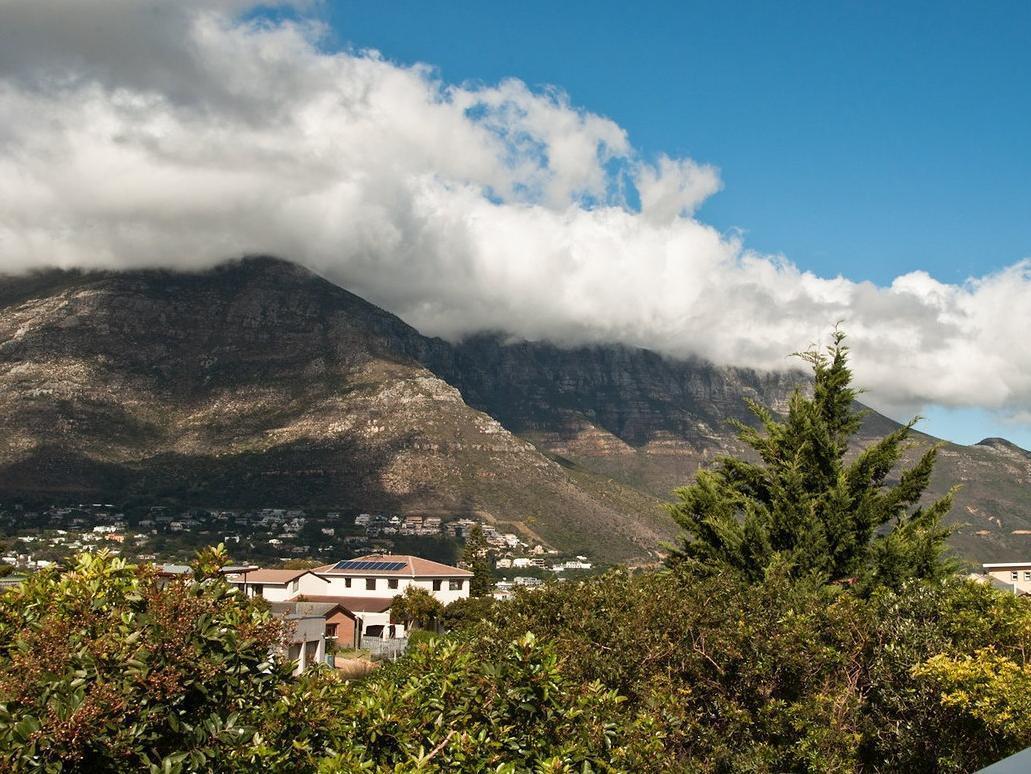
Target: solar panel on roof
[{"x": 353, "y": 564}]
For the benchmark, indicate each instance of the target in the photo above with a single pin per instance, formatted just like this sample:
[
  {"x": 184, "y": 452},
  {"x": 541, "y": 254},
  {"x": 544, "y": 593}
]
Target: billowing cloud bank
[{"x": 142, "y": 133}]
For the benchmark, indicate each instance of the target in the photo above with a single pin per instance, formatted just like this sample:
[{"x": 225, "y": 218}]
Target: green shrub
[
  {"x": 417, "y": 637},
  {"x": 102, "y": 668}
]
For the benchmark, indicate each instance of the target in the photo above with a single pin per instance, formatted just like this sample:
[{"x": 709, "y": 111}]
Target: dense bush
[
  {"x": 445, "y": 708},
  {"x": 102, "y": 668}
]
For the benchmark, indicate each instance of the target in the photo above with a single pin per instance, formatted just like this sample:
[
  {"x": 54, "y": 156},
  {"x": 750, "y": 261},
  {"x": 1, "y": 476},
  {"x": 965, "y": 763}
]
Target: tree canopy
[
  {"x": 476, "y": 557},
  {"x": 805, "y": 504}
]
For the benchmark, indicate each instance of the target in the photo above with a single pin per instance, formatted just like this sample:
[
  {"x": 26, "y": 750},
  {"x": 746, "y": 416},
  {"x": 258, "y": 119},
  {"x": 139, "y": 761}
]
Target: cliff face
[
  {"x": 260, "y": 383},
  {"x": 623, "y": 412}
]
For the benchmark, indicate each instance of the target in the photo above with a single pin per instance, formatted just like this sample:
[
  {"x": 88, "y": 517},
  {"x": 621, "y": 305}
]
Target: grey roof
[
  {"x": 293, "y": 611},
  {"x": 1015, "y": 764},
  {"x": 175, "y": 569}
]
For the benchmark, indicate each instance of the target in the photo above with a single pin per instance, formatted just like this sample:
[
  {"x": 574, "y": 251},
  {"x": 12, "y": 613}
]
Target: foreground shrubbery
[{"x": 658, "y": 671}]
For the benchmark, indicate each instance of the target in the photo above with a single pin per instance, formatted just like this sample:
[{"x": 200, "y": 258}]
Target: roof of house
[
  {"x": 1006, "y": 565},
  {"x": 392, "y": 565},
  {"x": 321, "y": 608},
  {"x": 271, "y": 577},
  {"x": 173, "y": 569},
  {"x": 291, "y": 612},
  {"x": 354, "y": 604}
]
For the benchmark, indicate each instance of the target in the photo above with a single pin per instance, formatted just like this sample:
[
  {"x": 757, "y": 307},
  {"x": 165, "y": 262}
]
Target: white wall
[
  {"x": 269, "y": 591},
  {"x": 1005, "y": 574},
  {"x": 338, "y": 587}
]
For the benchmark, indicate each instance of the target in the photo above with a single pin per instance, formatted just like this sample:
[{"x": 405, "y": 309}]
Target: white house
[
  {"x": 387, "y": 575},
  {"x": 1014, "y": 576},
  {"x": 278, "y": 585},
  {"x": 366, "y": 587}
]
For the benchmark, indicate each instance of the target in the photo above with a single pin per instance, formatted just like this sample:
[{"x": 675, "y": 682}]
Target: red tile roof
[{"x": 414, "y": 567}]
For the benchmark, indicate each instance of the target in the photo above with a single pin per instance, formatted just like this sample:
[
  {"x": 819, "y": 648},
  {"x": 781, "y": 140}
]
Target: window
[
  {"x": 436, "y": 585},
  {"x": 370, "y": 584},
  {"x": 1014, "y": 575},
  {"x": 258, "y": 589},
  {"x": 293, "y": 585},
  {"x": 1027, "y": 575},
  {"x": 455, "y": 585},
  {"x": 347, "y": 583},
  {"x": 392, "y": 583}
]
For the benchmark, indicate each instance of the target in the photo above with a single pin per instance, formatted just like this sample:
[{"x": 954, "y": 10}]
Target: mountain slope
[
  {"x": 260, "y": 383},
  {"x": 650, "y": 422}
]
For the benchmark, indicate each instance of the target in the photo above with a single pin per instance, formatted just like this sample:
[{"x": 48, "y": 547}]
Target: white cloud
[
  {"x": 675, "y": 188},
  {"x": 153, "y": 133}
]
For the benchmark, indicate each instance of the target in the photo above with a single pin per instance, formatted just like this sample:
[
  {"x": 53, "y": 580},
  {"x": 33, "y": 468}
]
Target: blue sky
[{"x": 861, "y": 139}]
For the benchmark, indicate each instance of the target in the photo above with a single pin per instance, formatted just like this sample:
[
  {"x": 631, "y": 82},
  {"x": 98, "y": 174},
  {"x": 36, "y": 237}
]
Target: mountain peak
[{"x": 1001, "y": 444}]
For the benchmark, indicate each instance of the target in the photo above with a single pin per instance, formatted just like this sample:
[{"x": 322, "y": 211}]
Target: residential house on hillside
[
  {"x": 278, "y": 585},
  {"x": 387, "y": 575},
  {"x": 353, "y": 596},
  {"x": 1014, "y": 577}
]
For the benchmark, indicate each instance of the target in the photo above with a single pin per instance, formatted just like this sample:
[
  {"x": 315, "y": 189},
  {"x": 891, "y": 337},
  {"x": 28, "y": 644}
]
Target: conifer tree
[
  {"x": 475, "y": 557},
  {"x": 804, "y": 507}
]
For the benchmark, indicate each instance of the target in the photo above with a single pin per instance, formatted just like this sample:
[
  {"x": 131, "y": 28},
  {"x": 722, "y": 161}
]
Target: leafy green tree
[
  {"x": 416, "y": 607},
  {"x": 476, "y": 557},
  {"x": 465, "y": 612},
  {"x": 443, "y": 708},
  {"x": 803, "y": 505},
  {"x": 103, "y": 668},
  {"x": 946, "y": 681}
]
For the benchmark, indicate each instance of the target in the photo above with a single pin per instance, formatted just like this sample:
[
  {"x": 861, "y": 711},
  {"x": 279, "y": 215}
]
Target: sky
[{"x": 716, "y": 179}]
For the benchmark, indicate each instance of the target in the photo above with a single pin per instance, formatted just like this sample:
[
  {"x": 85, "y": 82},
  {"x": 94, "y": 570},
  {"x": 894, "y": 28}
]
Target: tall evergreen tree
[
  {"x": 804, "y": 507},
  {"x": 476, "y": 557}
]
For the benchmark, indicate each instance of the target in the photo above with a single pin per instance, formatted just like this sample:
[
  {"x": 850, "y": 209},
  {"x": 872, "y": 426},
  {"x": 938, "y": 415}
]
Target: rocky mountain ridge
[{"x": 259, "y": 382}]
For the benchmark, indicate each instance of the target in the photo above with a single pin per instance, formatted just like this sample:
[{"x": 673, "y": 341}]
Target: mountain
[
  {"x": 649, "y": 422},
  {"x": 259, "y": 383},
  {"x": 262, "y": 384}
]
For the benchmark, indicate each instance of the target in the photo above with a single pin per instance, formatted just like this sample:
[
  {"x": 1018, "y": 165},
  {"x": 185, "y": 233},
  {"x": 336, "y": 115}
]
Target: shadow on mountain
[{"x": 343, "y": 474}]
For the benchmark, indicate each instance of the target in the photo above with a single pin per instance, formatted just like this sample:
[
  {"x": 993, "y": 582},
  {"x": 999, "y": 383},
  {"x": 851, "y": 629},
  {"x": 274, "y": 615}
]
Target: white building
[
  {"x": 278, "y": 585},
  {"x": 366, "y": 587},
  {"x": 387, "y": 575},
  {"x": 1013, "y": 576}
]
